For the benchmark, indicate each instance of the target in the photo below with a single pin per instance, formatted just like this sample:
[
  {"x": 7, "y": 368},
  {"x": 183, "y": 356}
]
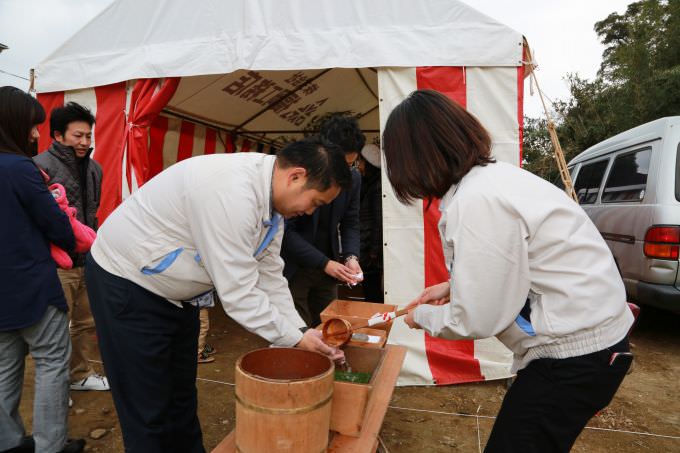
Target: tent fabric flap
[
  {"x": 412, "y": 249},
  {"x": 149, "y": 96}
]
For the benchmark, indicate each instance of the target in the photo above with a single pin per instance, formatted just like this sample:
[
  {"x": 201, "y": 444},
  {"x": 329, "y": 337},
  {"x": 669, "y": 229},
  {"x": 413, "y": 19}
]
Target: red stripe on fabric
[
  {"x": 49, "y": 101},
  {"x": 450, "y": 361},
  {"x": 186, "y": 140},
  {"x": 245, "y": 146},
  {"x": 159, "y": 127},
  {"x": 229, "y": 144},
  {"x": 435, "y": 267},
  {"x": 448, "y": 80},
  {"x": 520, "y": 106},
  {"x": 109, "y": 136},
  {"x": 210, "y": 141}
]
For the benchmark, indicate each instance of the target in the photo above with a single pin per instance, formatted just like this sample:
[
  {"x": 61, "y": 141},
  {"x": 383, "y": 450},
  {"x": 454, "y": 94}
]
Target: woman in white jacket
[{"x": 526, "y": 265}]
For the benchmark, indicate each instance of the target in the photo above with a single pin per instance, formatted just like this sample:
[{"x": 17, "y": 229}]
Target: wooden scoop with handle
[{"x": 337, "y": 331}]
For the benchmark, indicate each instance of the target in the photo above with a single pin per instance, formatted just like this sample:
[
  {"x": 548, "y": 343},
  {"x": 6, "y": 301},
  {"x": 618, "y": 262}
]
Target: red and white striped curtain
[{"x": 413, "y": 252}]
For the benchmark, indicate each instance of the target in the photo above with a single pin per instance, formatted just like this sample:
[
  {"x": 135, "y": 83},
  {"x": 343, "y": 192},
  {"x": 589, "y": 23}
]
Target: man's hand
[
  {"x": 340, "y": 272},
  {"x": 439, "y": 294},
  {"x": 312, "y": 341},
  {"x": 353, "y": 265}
]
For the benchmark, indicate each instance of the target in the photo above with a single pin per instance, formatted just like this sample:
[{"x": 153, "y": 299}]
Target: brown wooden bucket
[{"x": 283, "y": 401}]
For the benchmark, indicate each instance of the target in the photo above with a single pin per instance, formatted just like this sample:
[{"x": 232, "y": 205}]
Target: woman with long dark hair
[
  {"x": 526, "y": 265},
  {"x": 33, "y": 311}
]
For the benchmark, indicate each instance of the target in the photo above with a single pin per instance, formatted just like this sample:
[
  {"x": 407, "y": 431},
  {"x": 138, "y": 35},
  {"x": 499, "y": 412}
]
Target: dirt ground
[{"x": 428, "y": 419}]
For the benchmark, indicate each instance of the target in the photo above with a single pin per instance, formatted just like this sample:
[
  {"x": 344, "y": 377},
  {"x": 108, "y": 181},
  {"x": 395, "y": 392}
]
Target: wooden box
[
  {"x": 357, "y": 312},
  {"x": 348, "y": 409}
]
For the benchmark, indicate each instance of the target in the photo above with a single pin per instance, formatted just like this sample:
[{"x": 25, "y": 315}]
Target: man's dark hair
[
  {"x": 19, "y": 112},
  {"x": 325, "y": 163},
  {"x": 430, "y": 143},
  {"x": 61, "y": 117},
  {"x": 343, "y": 130}
]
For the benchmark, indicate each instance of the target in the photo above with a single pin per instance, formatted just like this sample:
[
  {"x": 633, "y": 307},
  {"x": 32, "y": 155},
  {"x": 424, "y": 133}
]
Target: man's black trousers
[{"x": 149, "y": 350}]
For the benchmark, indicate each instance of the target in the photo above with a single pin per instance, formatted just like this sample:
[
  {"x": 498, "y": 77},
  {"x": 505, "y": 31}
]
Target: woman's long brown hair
[{"x": 430, "y": 143}]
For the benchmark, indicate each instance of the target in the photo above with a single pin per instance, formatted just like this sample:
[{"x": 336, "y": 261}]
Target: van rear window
[
  {"x": 627, "y": 179},
  {"x": 588, "y": 181}
]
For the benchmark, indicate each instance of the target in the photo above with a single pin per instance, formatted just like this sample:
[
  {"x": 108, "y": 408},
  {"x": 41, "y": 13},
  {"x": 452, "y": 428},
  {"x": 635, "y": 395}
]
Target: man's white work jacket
[
  {"x": 527, "y": 265},
  {"x": 197, "y": 226}
]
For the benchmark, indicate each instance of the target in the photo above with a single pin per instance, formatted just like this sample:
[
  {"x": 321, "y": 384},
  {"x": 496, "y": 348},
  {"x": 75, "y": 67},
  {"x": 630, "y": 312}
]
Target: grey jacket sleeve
[{"x": 297, "y": 249}]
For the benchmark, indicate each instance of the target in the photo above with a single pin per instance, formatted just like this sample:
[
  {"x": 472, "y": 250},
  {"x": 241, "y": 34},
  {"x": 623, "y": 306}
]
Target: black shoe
[
  {"x": 74, "y": 446},
  {"x": 27, "y": 445}
]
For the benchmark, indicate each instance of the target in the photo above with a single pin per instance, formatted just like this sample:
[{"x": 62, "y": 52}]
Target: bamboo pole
[{"x": 557, "y": 148}]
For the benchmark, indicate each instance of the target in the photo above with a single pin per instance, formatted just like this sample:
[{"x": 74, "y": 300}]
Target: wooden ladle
[{"x": 337, "y": 331}]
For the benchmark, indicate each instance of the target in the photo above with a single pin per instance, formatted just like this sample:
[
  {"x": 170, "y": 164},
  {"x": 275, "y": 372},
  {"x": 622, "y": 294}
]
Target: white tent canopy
[{"x": 134, "y": 39}]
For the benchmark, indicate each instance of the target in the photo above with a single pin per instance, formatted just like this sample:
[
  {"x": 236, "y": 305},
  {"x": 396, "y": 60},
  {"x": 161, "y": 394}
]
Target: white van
[{"x": 629, "y": 185}]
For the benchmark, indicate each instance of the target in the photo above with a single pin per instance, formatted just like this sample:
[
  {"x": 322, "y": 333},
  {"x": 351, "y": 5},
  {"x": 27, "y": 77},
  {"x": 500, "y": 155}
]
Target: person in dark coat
[
  {"x": 68, "y": 162},
  {"x": 370, "y": 216},
  {"x": 322, "y": 249},
  {"x": 33, "y": 310}
]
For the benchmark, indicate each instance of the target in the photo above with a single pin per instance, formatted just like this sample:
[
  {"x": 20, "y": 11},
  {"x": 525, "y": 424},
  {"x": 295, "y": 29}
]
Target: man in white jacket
[{"x": 210, "y": 223}]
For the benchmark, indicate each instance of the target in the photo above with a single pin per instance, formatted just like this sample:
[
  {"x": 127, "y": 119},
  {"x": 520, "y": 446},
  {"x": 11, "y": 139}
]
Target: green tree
[
  {"x": 638, "y": 81},
  {"x": 537, "y": 150}
]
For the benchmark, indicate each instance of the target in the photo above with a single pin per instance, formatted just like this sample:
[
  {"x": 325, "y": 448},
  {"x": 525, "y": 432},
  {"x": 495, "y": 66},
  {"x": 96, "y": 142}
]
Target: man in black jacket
[
  {"x": 68, "y": 162},
  {"x": 323, "y": 248}
]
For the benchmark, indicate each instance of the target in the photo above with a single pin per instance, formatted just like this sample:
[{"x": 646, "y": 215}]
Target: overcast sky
[{"x": 560, "y": 33}]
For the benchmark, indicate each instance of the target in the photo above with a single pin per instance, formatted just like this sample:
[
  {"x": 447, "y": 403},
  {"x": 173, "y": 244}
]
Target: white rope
[
  {"x": 198, "y": 378},
  {"x": 477, "y": 416},
  {"x": 441, "y": 412},
  {"x": 640, "y": 433},
  {"x": 216, "y": 382},
  {"x": 479, "y": 437},
  {"x": 382, "y": 444}
]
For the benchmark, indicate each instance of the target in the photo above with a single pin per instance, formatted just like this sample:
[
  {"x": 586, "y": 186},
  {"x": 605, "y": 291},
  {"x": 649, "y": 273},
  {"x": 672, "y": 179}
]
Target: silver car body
[{"x": 624, "y": 214}]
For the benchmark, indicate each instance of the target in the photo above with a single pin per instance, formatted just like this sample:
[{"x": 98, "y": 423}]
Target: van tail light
[{"x": 663, "y": 242}]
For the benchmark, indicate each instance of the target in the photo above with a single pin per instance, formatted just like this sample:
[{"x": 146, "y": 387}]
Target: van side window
[
  {"x": 588, "y": 181},
  {"x": 628, "y": 177}
]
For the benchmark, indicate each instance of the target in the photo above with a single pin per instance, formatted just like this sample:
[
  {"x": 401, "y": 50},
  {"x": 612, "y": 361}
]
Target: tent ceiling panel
[{"x": 278, "y": 105}]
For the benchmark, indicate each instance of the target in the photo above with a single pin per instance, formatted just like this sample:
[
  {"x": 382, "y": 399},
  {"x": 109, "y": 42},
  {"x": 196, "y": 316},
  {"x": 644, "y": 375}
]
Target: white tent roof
[{"x": 148, "y": 39}]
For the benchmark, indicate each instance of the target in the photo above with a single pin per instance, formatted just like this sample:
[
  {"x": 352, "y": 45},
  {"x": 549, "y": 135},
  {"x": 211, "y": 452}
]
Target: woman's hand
[
  {"x": 439, "y": 294},
  {"x": 312, "y": 341},
  {"x": 410, "y": 322}
]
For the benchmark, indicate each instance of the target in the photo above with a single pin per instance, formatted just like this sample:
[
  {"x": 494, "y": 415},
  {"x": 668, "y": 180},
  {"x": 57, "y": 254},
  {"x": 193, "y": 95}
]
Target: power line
[{"x": 13, "y": 75}]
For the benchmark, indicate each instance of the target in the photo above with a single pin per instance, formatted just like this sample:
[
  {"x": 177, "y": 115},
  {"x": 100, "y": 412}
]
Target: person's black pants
[
  {"x": 373, "y": 286},
  {"x": 312, "y": 290},
  {"x": 551, "y": 400},
  {"x": 149, "y": 350}
]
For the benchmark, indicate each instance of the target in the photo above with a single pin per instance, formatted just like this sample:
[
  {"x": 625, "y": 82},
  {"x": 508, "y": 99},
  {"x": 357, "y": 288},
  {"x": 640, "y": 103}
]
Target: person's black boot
[{"x": 73, "y": 446}]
